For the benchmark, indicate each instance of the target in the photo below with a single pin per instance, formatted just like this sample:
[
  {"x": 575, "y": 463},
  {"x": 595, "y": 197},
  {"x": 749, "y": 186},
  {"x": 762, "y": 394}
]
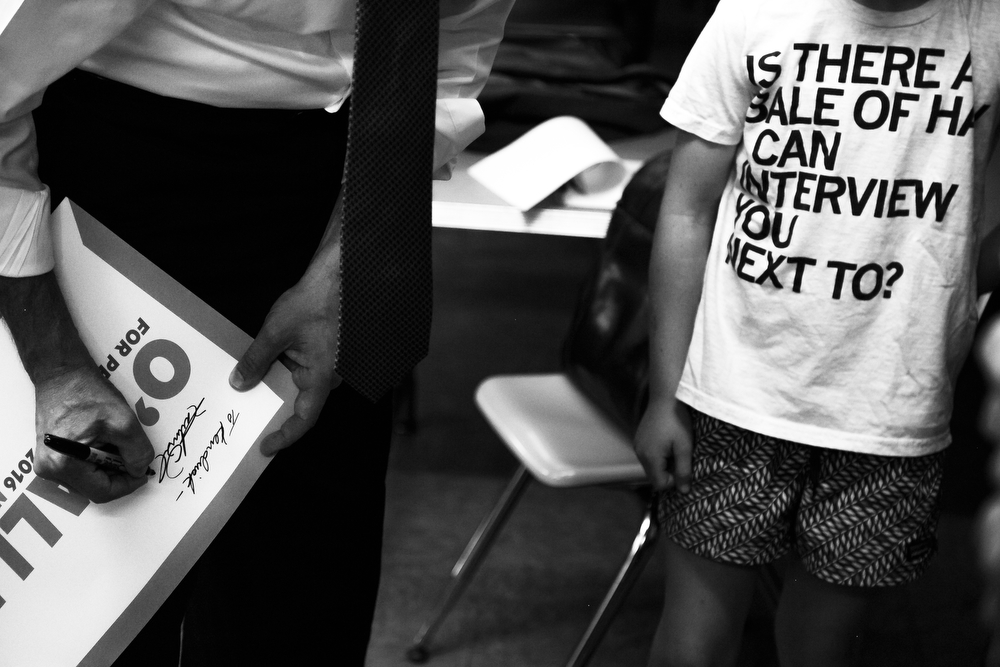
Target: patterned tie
[{"x": 385, "y": 301}]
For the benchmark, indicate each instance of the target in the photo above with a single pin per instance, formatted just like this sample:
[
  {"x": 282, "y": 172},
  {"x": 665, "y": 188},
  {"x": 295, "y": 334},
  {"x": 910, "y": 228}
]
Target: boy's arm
[{"x": 698, "y": 173}]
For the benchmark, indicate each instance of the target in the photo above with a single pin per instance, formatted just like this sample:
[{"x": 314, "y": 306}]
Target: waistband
[{"x": 93, "y": 93}]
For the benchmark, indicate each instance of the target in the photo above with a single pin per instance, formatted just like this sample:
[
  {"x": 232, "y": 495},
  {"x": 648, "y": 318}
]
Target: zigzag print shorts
[{"x": 853, "y": 519}]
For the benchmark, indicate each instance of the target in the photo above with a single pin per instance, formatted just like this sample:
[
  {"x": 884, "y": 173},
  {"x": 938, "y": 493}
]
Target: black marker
[{"x": 82, "y": 452}]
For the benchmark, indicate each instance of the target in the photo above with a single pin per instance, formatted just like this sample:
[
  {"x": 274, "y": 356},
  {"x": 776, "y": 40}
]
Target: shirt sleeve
[
  {"x": 43, "y": 40},
  {"x": 713, "y": 90},
  {"x": 469, "y": 37}
]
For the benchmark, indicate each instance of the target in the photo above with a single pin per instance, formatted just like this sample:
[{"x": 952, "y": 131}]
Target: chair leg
[
  {"x": 467, "y": 563},
  {"x": 642, "y": 549}
]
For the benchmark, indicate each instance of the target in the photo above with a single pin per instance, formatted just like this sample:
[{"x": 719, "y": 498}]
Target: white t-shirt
[{"x": 840, "y": 299}]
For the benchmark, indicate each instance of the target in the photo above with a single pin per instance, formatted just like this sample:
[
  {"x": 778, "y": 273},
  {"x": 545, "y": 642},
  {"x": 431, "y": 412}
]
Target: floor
[{"x": 534, "y": 594}]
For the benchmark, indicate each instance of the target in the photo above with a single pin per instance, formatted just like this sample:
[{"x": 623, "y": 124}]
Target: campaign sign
[{"x": 78, "y": 580}]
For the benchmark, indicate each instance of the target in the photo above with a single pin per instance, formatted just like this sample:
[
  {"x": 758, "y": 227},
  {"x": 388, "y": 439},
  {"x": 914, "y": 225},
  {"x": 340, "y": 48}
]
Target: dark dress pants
[{"x": 232, "y": 203}]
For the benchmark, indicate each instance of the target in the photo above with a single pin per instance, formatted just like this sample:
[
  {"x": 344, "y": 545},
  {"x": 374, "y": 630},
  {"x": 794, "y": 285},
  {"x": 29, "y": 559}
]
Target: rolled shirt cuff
[
  {"x": 457, "y": 123},
  {"x": 25, "y": 237}
]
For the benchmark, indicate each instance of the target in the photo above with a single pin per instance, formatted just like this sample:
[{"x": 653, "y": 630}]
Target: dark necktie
[{"x": 385, "y": 300}]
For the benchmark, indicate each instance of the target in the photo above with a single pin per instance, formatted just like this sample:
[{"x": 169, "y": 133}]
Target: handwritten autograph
[
  {"x": 177, "y": 448},
  {"x": 202, "y": 464}
]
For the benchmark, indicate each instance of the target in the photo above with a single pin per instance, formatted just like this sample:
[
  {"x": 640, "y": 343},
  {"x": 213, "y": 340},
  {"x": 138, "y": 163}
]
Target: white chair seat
[
  {"x": 557, "y": 432},
  {"x": 563, "y": 440}
]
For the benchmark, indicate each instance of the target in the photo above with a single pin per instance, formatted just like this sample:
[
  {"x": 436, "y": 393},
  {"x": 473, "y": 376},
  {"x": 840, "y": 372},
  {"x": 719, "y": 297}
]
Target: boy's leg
[
  {"x": 737, "y": 516},
  {"x": 819, "y": 624},
  {"x": 705, "y": 610},
  {"x": 866, "y": 523}
]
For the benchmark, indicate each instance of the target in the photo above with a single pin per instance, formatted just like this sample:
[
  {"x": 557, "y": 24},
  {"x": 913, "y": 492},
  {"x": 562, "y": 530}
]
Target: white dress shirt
[{"x": 291, "y": 54}]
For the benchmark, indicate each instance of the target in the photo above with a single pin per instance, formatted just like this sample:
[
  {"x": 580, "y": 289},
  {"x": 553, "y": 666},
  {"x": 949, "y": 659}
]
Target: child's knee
[
  {"x": 819, "y": 623},
  {"x": 687, "y": 651},
  {"x": 705, "y": 608}
]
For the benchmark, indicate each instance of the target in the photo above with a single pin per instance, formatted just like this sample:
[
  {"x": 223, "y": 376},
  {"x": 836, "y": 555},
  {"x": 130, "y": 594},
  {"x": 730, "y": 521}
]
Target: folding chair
[{"x": 564, "y": 441}]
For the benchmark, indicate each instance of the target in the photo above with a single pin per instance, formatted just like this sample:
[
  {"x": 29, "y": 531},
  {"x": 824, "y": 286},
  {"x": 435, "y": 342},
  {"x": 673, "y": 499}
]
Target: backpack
[{"x": 606, "y": 351}]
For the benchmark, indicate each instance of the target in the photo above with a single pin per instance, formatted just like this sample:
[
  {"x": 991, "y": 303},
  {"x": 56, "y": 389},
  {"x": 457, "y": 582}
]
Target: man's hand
[
  {"x": 302, "y": 328},
  {"x": 81, "y": 405},
  {"x": 663, "y": 443},
  {"x": 72, "y": 400}
]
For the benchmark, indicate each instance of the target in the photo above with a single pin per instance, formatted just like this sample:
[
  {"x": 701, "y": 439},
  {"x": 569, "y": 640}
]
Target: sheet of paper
[
  {"x": 545, "y": 158},
  {"x": 7, "y": 10},
  {"x": 77, "y": 579},
  {"x": 601, "y": 200}
]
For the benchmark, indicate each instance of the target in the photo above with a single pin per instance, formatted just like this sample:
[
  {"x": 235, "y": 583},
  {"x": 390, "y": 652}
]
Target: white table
[{"x": 462, "y": 203}]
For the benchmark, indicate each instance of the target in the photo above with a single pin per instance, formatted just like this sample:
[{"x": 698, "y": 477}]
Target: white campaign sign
[{"x": 78, "y": 580}]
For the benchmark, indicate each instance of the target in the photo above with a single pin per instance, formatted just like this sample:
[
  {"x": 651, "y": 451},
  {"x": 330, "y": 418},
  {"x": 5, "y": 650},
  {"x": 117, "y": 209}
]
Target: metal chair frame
[
  {"x": 467, "y": 564},
  {"x": 611, "y": 473}
]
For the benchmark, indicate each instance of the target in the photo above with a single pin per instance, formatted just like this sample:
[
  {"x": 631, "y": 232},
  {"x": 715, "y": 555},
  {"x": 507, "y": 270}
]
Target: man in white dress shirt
[{"x": 222, "y": 121}]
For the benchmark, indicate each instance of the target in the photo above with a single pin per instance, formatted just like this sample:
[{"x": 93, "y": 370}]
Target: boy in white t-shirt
[{"x": 814, "y": 295}]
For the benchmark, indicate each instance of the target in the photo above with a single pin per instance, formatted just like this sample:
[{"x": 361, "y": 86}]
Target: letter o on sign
[{"x": 174, "y": 355}]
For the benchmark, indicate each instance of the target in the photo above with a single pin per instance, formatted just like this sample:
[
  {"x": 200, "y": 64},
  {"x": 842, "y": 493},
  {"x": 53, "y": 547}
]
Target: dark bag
[
  {"x": 542, "y": 73},
  {"x": 606, "y": 353}
]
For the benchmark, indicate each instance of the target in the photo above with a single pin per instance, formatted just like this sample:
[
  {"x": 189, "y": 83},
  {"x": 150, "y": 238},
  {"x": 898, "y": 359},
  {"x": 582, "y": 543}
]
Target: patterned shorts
[{"x": 853, "y": 519}]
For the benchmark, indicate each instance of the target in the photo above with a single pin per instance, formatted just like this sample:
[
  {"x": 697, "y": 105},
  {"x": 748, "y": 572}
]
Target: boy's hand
[{"x": 663, "y": 443}]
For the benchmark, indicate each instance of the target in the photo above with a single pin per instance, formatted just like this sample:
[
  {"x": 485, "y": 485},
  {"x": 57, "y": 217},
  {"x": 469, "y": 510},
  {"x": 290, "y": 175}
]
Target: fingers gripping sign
[
  {"x": 300, "y": 329},
  {"x": 83, "y": 406}
]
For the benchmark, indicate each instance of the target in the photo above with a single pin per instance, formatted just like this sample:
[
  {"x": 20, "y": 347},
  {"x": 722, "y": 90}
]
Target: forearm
[
  {"x": 680, "y": 251},
  {"x": 698, "y": 173},
  {"x": 43, "y": 331},
  {"x": 324, "y": 267}
]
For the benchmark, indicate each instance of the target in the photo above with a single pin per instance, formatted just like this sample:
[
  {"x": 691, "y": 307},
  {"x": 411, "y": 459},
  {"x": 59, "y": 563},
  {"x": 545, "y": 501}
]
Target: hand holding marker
[{"x": 82, "y": 452}]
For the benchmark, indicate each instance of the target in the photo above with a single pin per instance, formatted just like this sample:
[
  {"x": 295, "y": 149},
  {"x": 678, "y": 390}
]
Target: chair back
[{"x": 606, "y": 352}]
